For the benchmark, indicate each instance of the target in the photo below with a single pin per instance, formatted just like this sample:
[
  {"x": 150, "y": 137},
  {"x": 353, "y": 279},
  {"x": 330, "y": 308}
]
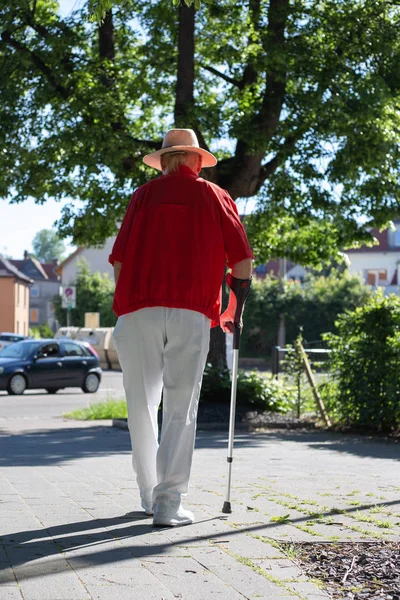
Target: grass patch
[{"x": 112, "y": 409}]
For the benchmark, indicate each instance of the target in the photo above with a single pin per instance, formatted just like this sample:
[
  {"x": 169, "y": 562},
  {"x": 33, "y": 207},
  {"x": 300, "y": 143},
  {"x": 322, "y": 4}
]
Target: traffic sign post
[{"x": 68, "y": 300}]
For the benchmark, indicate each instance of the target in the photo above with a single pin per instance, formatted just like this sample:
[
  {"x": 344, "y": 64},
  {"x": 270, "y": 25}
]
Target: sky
[{"x": 19, "y": 223}]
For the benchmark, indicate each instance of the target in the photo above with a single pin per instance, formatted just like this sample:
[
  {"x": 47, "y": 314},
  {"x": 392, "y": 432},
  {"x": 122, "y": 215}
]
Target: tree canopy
[
  {"x": 47, "y": 245},
  {"x": 299, "y": 99}
]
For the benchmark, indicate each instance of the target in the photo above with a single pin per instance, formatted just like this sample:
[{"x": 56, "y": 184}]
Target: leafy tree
[
  {"x": 298, "y": 99},
  {"x": 304, "y": 95},
  {"x": 94, "y": 293},
  {"x": 47, "y": 245}
]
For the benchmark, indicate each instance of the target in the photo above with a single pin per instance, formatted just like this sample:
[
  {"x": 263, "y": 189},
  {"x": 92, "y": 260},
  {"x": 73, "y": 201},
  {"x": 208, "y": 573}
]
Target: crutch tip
[{"x": 227, "y": 508}]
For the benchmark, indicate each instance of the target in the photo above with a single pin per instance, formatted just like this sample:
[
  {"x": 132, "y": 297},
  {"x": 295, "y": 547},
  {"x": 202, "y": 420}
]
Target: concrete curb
[{"x": 241, "y": 426}]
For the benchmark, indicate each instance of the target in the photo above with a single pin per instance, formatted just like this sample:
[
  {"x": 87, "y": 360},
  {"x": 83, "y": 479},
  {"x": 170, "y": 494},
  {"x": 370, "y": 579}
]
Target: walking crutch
[{"x": 241, "y": 288}]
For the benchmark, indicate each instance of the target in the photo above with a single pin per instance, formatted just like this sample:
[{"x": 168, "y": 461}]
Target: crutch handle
[{"x": 241, "y": 288}]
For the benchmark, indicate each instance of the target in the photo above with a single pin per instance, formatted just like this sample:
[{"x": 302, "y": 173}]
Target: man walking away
[{"x": 178, "y": 234}]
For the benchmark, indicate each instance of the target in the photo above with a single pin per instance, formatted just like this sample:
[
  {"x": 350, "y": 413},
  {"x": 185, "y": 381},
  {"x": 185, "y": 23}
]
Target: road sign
[{"x": 68, "y": 295}]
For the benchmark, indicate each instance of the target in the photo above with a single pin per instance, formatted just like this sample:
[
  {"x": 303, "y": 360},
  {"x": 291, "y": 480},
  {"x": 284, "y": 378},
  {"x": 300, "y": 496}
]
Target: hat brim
[{"x": 154, "y": 159}]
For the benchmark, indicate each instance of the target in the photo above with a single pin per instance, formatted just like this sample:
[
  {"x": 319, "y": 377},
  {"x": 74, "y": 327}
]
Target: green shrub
[
  {"x": 41, "y": 331},
  {"x": 365, "y": 361},
  {"x": 253, "y": 390}
]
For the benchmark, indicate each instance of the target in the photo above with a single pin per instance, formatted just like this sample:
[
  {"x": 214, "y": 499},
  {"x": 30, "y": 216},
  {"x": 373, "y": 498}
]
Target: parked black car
[
  {"x": 10, "y": 338},
  {"x": 49, "y": 364}
]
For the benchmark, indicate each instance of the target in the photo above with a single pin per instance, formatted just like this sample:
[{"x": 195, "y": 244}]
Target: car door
[
  {"x": 75, "y": 362},
  {"x": 46, "y": 370}
]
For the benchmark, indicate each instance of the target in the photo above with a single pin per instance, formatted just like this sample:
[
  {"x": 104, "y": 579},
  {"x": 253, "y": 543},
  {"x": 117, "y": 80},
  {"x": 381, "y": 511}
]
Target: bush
[
  {"x": 41, "y": 331},
  {"x": 253, "y": 390},
  {"x": 365, "y": 360},
  {"x": 313, "y": 306},
  {"x": 112, "y": 409}
]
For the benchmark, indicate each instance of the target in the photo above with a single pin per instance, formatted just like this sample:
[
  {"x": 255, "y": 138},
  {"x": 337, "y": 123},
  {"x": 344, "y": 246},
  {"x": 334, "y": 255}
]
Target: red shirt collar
[{"x": 185, "y": 171}]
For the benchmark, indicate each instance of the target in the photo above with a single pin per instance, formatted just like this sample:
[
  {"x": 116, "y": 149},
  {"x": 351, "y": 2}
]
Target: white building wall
[
  {"x": 97, "y": 259},
  {"x": 361, "y": 262}
]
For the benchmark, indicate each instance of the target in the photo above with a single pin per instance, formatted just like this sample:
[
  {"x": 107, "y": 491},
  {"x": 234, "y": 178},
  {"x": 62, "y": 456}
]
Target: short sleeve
[
  {"x": 237, "y": 247},
  {"x": 121, "y": 242}
]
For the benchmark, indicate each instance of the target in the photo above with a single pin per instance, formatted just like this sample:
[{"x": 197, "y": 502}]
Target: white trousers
[{"x": 162, "y": 351}]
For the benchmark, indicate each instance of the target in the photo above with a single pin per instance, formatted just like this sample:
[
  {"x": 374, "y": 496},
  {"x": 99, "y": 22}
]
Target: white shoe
[{"x": 169, "y": 513}]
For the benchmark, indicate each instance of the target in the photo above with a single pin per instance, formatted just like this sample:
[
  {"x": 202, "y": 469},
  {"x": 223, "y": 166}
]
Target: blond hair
[{"x": 171, "y": 161}]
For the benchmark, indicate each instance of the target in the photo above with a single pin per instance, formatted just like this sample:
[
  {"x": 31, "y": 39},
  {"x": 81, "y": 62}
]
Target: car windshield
[{"x": 18, "y": 350}]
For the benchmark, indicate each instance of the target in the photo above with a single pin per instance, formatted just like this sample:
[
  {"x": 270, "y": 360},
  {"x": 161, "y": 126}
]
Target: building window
[
  {"x": 376, "y": 277},
  {"x": 18, "y": 286},
  {"x": 34, "y": 292},
  {"x": 34, "y": 315},
  {"x": 396, "y": 238},
  {"x": 17, "y": 326}
]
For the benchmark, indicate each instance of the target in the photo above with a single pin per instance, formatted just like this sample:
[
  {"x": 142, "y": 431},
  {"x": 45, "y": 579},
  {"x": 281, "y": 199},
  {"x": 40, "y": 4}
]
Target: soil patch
[{"x": 352, "y": 570}]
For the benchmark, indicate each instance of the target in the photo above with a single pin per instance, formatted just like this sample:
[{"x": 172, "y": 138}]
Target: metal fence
[{"x": 278, "y": 354}]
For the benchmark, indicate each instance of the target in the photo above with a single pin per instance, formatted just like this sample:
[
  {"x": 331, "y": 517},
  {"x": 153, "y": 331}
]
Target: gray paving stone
[
  {"x": 89, "y": 505},
  {"x": 308, "y": 590},
  {"x": 49, "y": 579},
  {"x": 6, "y": 575},
  {"x": 141, "y": 591},
  {"x": 239, "y": 576},
  {"x": 187, "y": 577},
  {"x": 10, "y": 592}
]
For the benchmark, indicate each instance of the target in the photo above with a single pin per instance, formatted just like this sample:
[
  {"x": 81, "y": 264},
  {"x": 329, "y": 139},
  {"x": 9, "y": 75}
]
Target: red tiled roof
[{"x": 50, "y": 270}]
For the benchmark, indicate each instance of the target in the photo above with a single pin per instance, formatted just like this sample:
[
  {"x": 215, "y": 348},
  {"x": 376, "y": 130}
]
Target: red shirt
[{"x": 178, "y": 233}]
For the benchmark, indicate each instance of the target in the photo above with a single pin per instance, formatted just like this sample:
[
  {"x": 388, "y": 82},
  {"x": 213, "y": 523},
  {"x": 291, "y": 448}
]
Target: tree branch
[
  {"x": 226, "y": 78},
  {"x": 38, "y": 62},
  {"x": 286, "y": 150}
]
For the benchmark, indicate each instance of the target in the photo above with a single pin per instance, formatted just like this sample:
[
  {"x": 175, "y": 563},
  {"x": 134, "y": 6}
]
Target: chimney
[
  {"x": 54, "y": 261},
  {"x": 26, "y": 254}
]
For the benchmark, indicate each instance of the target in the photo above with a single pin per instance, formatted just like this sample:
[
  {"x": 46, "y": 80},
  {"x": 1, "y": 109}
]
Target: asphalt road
[{"x": 38, "y": 403}]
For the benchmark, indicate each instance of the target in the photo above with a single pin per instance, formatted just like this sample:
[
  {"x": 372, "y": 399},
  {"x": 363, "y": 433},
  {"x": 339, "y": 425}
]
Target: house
[
  {"x": 379, "y": 265},
  {"x": 14, "y": 298},
  {"x": 97, "y": 259},
  {"x": 291, "y": 271},
  {"x": 46, "y": 285}
]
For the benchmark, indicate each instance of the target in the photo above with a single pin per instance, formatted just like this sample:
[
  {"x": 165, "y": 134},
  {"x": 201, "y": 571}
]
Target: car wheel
[
  {"x": 91, "y": 383},
  {"x": 52, "y": 390},
  {"x": 16, "y": 385}
]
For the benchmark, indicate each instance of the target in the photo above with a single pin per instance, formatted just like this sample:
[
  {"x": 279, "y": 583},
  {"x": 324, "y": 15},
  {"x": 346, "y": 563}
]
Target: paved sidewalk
[{"x": 71, "y": 528}]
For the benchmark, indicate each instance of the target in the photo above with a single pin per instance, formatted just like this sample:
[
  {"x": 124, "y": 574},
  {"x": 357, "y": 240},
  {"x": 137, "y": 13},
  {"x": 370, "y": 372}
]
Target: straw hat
[{"x": 184, "y": 140}]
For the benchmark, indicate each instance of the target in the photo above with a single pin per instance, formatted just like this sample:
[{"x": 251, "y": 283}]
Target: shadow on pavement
[
  {"x": 55, "y": 446},
  {"x": 81, "y": 542},
  {"x": 362, "y": 446}
]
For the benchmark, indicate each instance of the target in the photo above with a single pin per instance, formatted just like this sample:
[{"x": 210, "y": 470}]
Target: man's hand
[{"x": 227, "y": 319}]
